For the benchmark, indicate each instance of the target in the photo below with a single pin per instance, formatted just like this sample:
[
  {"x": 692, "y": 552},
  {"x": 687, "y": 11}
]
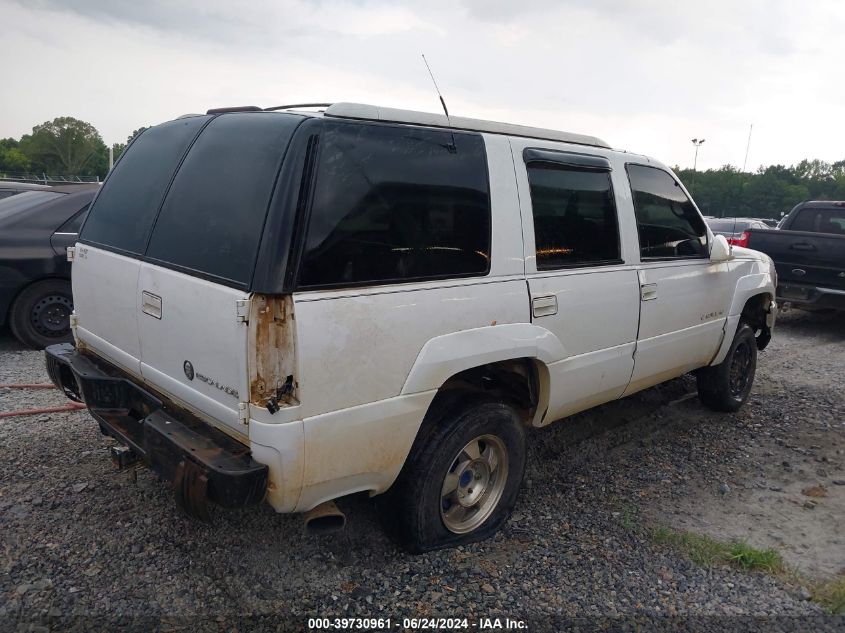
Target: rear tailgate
[{"x": 816, "y": 259}]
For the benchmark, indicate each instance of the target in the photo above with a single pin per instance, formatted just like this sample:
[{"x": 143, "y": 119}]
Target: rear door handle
[
  {"x": 151, "y": 304},
  {"x": 802, "y": 246},
  {"x": 544, "y": 306},
  {"x": 648, "y": 292}
]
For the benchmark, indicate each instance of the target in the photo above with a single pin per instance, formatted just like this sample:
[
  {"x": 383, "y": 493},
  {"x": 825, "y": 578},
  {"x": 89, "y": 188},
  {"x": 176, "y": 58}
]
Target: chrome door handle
[
  {"x": 544, "y": 306},
  {"x": 648, "y": 292},
  {"x": 151, "y": 304}
]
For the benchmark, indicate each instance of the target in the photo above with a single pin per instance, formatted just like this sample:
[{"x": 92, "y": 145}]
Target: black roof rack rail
[
  {"x": 294, "y": 106},
  {"x": 234, "y": 109}
]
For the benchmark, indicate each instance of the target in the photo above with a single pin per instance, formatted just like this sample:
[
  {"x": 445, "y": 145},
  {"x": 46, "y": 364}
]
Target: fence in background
[{"x": 46, "y": 179}]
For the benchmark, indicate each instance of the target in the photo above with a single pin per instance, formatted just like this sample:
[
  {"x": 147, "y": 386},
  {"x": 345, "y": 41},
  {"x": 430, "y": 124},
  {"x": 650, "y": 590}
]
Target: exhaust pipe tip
[{"x": 324, "y": 519}]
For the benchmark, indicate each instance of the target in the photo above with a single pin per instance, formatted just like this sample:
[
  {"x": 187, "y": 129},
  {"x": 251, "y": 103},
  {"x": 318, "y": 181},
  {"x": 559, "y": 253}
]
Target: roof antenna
[{"x": 452, "y": 148}]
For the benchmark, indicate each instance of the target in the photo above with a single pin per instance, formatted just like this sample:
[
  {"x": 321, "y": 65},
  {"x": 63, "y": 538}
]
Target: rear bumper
[
  {"x": 203, "y": 463},
  {"x": 814, "y": 297}
]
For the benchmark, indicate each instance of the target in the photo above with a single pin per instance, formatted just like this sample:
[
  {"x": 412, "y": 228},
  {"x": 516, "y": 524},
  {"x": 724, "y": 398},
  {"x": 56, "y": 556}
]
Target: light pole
[{"x": 698, "y": 143}]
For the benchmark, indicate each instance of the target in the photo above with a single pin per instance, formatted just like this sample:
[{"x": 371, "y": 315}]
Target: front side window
[
  {"x": 574, "y": 216},
  {"x": 669, "y": 225},
  {"x": 393, "y": 204}
]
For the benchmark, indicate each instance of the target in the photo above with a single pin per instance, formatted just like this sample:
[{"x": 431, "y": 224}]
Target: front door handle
[
  {"x": 648, "y": 292},
  {"x": 803, "y": 246},
  {"x": 544, "y": 306},
  {"x": 151, "y": 304}
]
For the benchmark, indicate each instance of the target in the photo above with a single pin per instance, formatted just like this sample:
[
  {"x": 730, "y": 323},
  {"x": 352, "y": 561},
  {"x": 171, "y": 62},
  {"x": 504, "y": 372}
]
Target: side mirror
[{"x": 720, "y": 251}]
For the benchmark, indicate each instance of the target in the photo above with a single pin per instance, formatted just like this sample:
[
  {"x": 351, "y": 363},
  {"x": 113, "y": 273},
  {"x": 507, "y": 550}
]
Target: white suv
[{"x": 293, "y": 306}]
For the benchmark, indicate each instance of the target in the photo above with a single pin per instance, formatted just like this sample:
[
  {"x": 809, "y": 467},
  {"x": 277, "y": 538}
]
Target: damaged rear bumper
[{"x": 203, "y": 463}]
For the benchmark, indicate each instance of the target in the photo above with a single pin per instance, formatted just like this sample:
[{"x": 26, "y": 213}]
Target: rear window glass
[
  {"x": 574, "y": 216},
  {"x": 820, "y": 221},
  {"x": 731, "y": 226},
  {"x": 212, "y": 219},
  {"x": 392, "y": 204},
  {"x": 125, "y": 208},
  {"x": 23, "y": 201},
  {"x": 73, "y": 225}
]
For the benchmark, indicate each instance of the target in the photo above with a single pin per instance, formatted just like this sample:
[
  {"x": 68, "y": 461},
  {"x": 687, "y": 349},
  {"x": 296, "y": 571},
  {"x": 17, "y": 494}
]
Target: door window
[
  {"x": 820, "y": 221},
  {"x": 574, "y": 213},
  {"x": 394, "y": 204},
  {"x": 668, "y": 223}
]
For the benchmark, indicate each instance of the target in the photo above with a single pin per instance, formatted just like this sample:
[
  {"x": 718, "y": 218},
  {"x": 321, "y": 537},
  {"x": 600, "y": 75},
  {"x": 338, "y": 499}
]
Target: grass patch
[
  {"x": 831, "y": 595},
  {"x": 746, "y": 557},
  {"x": 707, "y": 551}
]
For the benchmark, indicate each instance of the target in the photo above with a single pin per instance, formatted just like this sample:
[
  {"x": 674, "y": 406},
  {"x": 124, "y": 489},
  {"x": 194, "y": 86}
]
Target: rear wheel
[
  {"x": 726, "y": 386},
  {"x": 461, "y": 481},
  {"x": 40, "y": 315}
]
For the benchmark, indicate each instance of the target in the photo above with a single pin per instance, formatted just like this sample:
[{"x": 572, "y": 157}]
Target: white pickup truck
[{"x": 293, "y": 305}]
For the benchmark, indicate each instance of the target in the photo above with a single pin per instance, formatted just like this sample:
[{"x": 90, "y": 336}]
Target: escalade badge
[{"x": 189, "y": 369}]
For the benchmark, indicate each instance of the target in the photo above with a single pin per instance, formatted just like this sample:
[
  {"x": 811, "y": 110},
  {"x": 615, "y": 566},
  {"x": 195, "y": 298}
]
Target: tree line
[
  {"x": 767, "y": 193},
  {"x": 64, "y": 146},
  {"x": 70, "y": 147}
]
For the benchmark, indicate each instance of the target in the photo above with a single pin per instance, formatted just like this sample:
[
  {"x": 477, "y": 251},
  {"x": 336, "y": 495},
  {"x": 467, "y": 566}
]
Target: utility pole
[
  {"x": 697, "y": 143},
  {"x": 111, "y": 156}
]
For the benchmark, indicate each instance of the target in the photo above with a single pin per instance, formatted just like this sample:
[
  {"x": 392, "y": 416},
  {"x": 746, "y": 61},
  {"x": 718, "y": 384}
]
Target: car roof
[
  {"x": 74, "y": 188},
  {"x": 23, "y": 186},
  {"x": 367, "y": 112},
  {"x": 822, "y": 204}
]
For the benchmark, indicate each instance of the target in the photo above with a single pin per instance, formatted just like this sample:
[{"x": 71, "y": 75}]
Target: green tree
[
  {"x": 768, "y": 193},
  {"x": 13, "y": 160},
  {"x": 11, "y": 157},
  {"x": 66, "y": 145}
]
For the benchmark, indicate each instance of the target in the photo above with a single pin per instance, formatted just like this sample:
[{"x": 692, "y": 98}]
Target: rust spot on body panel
[{"x": 272, "y": 353}]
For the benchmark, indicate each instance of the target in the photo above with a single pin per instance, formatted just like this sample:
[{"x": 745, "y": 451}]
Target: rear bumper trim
[
  {"x": 806, "y": 295},
  {"x": 170, "y": 440}
]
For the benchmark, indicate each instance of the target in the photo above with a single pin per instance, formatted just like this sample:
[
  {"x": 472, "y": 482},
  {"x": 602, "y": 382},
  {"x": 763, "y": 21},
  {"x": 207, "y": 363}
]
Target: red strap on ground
[
  {"x": 32, "y": 385},
  {"x": 71, "y": 406}
]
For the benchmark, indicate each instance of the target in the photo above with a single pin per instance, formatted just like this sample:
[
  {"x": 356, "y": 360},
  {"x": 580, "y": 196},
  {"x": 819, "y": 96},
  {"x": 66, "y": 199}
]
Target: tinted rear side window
[
  {"x": 212, "y": 219},
  {"x": 574, "y": 216},
  {"x": 392, "y": 204},
  {"x": 125, "y": 208},
  {"x": 668, "y": 224}
]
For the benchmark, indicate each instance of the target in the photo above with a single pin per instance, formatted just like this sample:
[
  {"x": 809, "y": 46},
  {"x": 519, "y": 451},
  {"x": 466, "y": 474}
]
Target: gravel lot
[{"x": 81, "y": 539}]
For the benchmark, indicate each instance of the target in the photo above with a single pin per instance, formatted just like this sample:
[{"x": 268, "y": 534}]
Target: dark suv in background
[{"x": 36, "y": 227}]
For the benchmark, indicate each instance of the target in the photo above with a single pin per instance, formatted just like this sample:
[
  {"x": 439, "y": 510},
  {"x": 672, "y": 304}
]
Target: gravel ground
[{"x": 78, "y": 538}]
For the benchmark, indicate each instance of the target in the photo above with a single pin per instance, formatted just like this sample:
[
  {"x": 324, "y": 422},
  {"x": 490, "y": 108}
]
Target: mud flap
[{"x": 190, "y": 487}]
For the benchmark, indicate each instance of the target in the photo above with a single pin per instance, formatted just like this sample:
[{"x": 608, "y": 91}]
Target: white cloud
[{"x": 647, "y": 76}]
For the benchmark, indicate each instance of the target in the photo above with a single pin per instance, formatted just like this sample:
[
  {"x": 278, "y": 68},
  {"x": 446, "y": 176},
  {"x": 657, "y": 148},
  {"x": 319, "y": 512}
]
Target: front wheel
[
  {"x": 461, "y": 481},
  {"x": 726, "y": 386}
]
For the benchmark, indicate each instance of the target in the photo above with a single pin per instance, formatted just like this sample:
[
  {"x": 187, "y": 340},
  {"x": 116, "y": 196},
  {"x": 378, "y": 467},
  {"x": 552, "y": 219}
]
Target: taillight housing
[{"x": 742, "y": 240}]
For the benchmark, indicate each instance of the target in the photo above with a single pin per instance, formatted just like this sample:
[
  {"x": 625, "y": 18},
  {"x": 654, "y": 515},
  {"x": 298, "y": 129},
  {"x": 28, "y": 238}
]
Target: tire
[
  {"x": 726, "y": 386},
  {"x": 481, "y": 448},
  {"x": 40, "y": 315}
]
